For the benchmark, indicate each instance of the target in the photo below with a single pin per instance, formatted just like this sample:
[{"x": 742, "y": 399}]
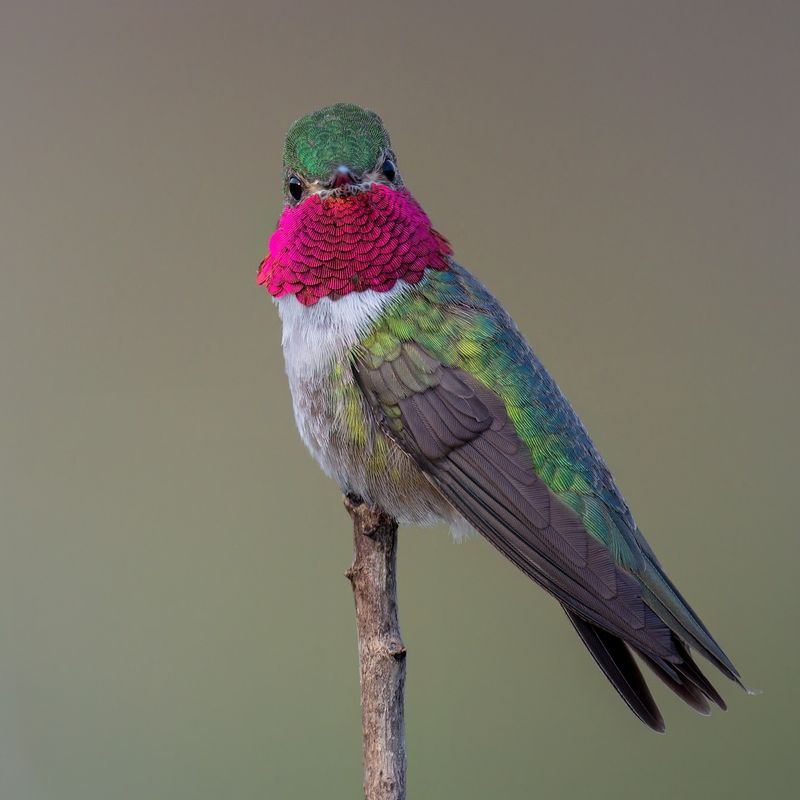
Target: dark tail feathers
[{"x": 614, "y": 657}]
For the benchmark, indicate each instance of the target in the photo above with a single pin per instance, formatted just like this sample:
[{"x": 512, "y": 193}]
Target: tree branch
[{"x": 381, "y": 652}]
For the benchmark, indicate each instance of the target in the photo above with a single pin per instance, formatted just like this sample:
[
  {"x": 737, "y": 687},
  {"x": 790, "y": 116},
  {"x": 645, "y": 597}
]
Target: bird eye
[
  {"x": 389, "y": 169},
  {"x": 295, "y": 187}
]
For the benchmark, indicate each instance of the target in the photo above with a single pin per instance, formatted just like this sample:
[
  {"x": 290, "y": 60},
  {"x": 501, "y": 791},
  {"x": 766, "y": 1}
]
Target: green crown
[{"x": 342, "y": 134}]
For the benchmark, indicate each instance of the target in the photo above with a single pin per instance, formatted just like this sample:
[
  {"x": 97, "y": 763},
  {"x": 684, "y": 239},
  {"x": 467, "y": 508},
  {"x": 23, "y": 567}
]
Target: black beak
[{"x": 342, "y": 177}]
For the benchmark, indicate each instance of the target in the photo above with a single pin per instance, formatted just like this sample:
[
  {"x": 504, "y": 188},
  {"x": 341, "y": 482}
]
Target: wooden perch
[{"x": 381, "y": 652}]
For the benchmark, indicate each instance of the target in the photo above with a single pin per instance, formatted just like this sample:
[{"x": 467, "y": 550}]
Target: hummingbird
[{"x": 414, "y": 389}]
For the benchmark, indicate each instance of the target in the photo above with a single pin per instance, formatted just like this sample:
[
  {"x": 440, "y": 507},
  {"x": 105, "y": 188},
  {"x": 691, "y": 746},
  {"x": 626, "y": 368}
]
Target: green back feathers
[
  {"x": 341, "y": 134},
  {"x": 453, "y": 318},
  {"x": 483, "y": 342}
]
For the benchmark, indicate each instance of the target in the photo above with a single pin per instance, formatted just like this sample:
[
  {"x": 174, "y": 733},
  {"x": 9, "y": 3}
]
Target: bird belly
[{"x": 334, "y": 419}]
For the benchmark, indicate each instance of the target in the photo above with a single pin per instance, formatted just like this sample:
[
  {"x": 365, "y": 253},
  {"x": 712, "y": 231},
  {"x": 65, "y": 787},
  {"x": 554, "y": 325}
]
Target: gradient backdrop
[{"x": 173, "y": 618}]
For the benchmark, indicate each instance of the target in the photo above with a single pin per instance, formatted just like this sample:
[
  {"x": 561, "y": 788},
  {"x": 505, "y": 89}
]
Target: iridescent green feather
[
  {"x": 353, "y": 427},
  {"x": 452, "y": 317},
  {"x": 341, "y": 134}
]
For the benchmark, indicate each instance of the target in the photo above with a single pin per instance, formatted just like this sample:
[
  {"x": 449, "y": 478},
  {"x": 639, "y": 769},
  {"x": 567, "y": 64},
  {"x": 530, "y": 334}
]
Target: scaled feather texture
[{"x": 337, "y": 245}]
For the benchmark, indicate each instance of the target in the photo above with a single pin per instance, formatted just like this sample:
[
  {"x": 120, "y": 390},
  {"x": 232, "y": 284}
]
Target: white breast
[
  {"x": 315, "y": 336},
  {"x": 316, "y": 340}
]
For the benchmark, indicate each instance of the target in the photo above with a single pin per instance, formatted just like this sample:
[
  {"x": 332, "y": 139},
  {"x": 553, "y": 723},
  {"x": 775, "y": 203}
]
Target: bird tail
[{"x": 615, "y": 659}]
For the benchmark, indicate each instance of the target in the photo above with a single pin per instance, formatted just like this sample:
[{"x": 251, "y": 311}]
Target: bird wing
[{"x": 455, "y": 385}]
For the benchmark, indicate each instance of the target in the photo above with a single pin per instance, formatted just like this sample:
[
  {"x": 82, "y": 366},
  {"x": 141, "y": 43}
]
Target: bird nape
[{"x": 415, "y": 390}]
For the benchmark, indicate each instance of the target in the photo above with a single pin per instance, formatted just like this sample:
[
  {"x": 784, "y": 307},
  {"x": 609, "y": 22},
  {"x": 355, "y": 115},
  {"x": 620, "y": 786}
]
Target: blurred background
[{"x": 173, "y": 613}]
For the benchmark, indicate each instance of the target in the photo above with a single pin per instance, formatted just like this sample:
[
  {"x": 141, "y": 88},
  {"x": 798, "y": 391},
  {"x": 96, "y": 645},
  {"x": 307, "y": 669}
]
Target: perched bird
[{"x": 415, "y": 390}]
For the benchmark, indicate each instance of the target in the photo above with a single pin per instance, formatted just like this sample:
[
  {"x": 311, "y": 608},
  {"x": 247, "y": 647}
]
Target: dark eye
[
  {"x": 295, "y": 187},
  {"x": 389, "y": 169}
]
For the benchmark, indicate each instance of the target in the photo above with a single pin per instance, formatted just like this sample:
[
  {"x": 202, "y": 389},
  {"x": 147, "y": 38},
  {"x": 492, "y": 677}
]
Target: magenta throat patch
[{"x": 368, "y": 240}]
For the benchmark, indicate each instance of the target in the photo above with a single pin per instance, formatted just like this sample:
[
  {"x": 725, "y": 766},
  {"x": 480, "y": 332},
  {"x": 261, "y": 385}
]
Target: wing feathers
[{"x": 460, "y": 434}]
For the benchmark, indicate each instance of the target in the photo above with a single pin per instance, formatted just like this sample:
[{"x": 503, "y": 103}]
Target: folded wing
[{"x": 460, "y": 433}]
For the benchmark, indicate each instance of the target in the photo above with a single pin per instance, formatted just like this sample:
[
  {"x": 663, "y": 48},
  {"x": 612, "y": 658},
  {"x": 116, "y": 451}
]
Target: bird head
[
  {"x": 337, "y": 151},
  {"x": 348, "y": 224}
]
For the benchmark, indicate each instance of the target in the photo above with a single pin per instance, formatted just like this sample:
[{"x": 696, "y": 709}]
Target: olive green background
[{"x": 173, "y": 618}]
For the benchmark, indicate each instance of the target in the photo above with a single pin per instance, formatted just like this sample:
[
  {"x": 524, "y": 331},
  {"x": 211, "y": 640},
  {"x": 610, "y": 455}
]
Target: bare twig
[{"x": 381, "y": 653}]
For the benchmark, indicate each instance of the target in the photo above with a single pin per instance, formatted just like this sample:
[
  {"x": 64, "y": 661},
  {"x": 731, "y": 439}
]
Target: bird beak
[{"x": 342, "y": 176}]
